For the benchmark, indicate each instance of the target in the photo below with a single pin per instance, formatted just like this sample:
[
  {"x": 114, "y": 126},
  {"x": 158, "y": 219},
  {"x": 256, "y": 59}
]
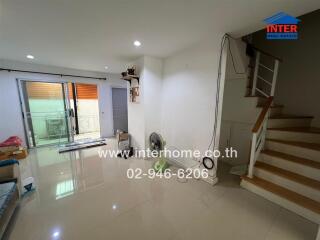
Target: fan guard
[{"x": 156, "y": 142}]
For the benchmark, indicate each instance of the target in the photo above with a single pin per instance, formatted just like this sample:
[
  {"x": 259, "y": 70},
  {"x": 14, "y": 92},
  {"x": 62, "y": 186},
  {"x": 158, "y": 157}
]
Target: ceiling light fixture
[
  {"x": 30, "y": 56},
  {"x": 106, "y": 67},
  {"x": 137, "y": 43}
]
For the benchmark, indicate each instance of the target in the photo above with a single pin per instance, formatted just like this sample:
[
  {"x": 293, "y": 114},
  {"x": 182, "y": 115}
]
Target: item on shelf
[
  {"x": 124, "y": 74},
  {"x": 134, "y": 94},
  {"x": 130, "y": 75},
  {"x": 131, "y": 71}
]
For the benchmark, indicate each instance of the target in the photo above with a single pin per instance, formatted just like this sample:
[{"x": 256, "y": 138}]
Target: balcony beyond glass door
[{"x": 46, "y": 114}]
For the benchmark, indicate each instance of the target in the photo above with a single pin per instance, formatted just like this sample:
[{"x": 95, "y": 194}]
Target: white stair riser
[
  {"x": 294, "y": 150},
  {"x": 289, "y": 122},
  {"x": 291, "y": 166},
  {"x": 275, "y": 111},
  {"x": 304, "y": 212},
  {"x": 288, "y": 184},
  {"x": 294, "y": 136},
  {"x": 261, "y": 101}
]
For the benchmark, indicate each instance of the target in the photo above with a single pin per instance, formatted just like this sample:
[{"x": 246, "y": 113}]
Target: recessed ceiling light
[
  {"x": 137, "y": 43},
  {"x": 30, "y": 56},
  {"x": 106, "y": 67}
]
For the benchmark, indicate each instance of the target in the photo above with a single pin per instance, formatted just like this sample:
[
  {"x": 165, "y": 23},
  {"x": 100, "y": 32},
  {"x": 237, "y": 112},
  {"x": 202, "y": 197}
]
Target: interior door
[
  {"x": 120, "y": 109},
  {"x": 46, "y": 113}
]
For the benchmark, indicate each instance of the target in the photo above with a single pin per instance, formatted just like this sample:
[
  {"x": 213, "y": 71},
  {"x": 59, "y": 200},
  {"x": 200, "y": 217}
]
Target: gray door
[{"x": 120, "y": 109}]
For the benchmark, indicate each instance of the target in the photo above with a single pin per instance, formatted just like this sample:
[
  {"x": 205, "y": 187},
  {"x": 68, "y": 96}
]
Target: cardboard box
[
  {"x": 122, "y": 136},
  {"x": 17, "y": 154}
]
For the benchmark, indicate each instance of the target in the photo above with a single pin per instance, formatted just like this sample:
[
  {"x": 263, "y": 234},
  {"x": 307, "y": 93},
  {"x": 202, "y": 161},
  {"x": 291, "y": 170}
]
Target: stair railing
[
  {"x": 259, "y": 80},
  {"x": 259, "y": 135}
]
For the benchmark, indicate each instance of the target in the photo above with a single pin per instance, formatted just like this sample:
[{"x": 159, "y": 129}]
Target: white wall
[
  {"x": 177, "y": 99},
  {"x": 11, "y": 122},
  {"x": 152, "y": 96},
  {"x": 145, "y": 117},
  {"x": 188, "y": 95},
  {"x": 298, "y": 82},
  {"x": 239, "y": 112},
  {"x": 136, "y": 115}
]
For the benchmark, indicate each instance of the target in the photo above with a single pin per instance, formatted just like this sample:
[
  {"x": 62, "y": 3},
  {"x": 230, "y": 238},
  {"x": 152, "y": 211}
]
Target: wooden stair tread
[
  {"x": 285, "y": 193},
  {"x": 289, "y": 175},
  {"x": 313, "y": 146},
  {"x": 255, "y": 96},
  {"x": 298, "y": 129},
  {"x": 291, "y": 158},
  {"x": 272, "y": 106},
  {"x": 290, "y": 117}
]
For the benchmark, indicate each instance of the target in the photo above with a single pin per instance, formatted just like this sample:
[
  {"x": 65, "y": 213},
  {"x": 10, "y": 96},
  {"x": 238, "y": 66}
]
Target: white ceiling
[{"x": 91, "y": 34}]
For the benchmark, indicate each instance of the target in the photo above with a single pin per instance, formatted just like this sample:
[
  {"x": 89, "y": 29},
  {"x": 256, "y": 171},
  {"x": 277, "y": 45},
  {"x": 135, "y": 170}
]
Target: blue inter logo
[{"x": 282, "y": 26}]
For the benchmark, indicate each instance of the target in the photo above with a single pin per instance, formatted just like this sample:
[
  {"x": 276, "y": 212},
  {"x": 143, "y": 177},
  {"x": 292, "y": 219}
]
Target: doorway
[
  {"x": 84, "y": 103},
  {"x": 120, "y": 109},
  {"x": 57, "y": 113}
]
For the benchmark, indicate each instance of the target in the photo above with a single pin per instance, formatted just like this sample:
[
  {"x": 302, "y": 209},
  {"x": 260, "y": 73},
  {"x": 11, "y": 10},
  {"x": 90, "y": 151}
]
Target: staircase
[
  {"x": 284, "y": 162},
  {"x": 287, "y": 170}
]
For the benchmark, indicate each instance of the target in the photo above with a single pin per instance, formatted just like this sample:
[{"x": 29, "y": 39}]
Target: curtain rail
[{"x": 47, "y": 73}]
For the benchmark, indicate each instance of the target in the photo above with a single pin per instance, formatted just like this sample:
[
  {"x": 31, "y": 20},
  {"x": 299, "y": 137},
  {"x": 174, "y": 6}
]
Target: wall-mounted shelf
[{"x": 129, "y": 78}]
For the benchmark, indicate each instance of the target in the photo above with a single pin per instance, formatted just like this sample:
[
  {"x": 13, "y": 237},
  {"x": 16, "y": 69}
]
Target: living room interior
[{"x": 94, "y": 92}]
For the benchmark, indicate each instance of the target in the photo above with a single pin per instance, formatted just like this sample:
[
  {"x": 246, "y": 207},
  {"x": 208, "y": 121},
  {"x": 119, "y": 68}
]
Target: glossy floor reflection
[{"x": 81, "y": 196}]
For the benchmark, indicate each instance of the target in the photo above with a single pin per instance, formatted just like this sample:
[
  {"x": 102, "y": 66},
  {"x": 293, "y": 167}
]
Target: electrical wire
[
  {"x": 212, "y": 141},
  {"x": 225, "y": 37},
  {"x": 233, "y": 62}
]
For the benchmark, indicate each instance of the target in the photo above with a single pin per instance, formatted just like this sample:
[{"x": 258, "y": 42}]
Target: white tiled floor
[{"x": 95, "y": 200}]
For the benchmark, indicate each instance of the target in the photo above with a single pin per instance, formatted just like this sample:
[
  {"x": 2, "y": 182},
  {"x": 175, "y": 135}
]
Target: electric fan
[{"x": 157, "y": 143}]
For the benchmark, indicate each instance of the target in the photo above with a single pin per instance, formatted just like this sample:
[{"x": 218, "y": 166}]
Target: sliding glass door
[
  {"x": 57, "y": 113},
  {"x": 46, "y": 113}
]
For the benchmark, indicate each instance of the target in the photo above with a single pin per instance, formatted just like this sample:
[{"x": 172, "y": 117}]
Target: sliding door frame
[
  {"x": 75, "y": 106},
  {"x": 23, "y": 99}
]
